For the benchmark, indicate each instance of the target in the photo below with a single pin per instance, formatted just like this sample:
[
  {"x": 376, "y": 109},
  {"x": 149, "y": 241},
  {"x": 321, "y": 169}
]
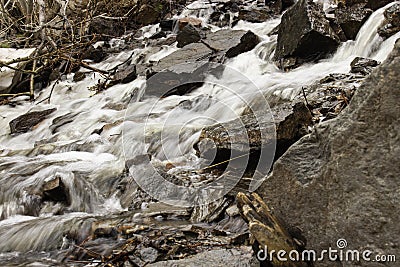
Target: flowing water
[{"x": 90, "y": 164}]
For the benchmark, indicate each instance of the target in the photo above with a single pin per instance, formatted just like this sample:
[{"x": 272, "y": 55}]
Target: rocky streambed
[{"x": 142, "y": 146}]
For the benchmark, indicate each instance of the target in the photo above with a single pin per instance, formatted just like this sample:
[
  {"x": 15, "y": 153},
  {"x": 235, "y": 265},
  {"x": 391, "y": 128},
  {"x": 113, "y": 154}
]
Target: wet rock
[
  {"x": 187, "y": 35},
  {"x": 28, "y": 121},
  {"x": 167, "y": 25},
  {"x": 218, "y": 257},
  {"x": 328, "y": 97},
  {"x": 376, "y": 4},
  {"x": 165, "y": 211},
  {"x": 232, "y": 211},
  {"x": 340, "y": 180},
  {"x": 337, "y": 29},
  {"x": 175, "y": 82},
  {"x": 183, "y": 22},
  {"x": 108, "y": 232},
  {"x": 158, "y": 35},
  {"x": 304, "y": 35},
  {"x": 235, "y": 137},
  {"x": 210, "y": 212},
  {"x": 220, "y": 19},
  {"x": 149, "y": 255},
  {"x": 148, "y": 13},
  {"x": 62, "y": 120},
  {"x": 363, "y": 65},
  {"x": 351, "y": 19},
  {"x": 55, "y": 190},
  {"x": 79, "y": 76},
  {"x": 229, "y": 6},
  {"x": 32, "y": 206},
  {"x": 106, "y": 27},
  {"x": 137, "y": 160},
  {"x": 291, "y": 123},
  {"x": 181, "y": 72},
  {"x": 54, "y": 75},
  {"x": 391, "y": 24},
  {"x": 254, "y": 15},
  {"x": 275, "y": 6},
  {"x": 125, "y": 75},
  {"x": 372, "y": 4},
  {"x": 234, "y": 224},
  {"x": 287, "y": 3},
  {"x": 231, "y": 43},
  {"x": 191, "y": 53},
  {"x": 95, "y": 54},
  {"x": 169, "y": 40}
]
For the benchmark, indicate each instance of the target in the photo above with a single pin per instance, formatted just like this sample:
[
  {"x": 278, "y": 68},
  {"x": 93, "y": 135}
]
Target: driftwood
[
  {"x": 44, "y": 24},
  {"x": 269, "y": 232}
]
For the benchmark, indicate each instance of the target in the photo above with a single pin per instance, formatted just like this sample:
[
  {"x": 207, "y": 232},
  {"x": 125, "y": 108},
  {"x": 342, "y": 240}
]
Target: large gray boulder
[
  {"x": 304, "y": 35},
  {"x": 342, "y": 180}
]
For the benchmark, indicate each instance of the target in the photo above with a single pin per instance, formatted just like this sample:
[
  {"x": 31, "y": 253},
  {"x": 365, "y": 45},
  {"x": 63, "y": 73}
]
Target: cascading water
[{"x": 90, "y": 163}]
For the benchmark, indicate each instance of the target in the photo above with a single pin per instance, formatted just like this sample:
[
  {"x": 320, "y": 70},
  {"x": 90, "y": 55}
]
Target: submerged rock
[
  {"x": 304, "y": 35},
  {"x": 28, "y": 121},
  {"x": 340, "y": 181}
]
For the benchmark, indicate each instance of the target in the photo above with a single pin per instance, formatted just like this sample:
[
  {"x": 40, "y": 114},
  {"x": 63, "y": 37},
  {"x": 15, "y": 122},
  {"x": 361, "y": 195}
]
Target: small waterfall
[
  {"x": 44, "y": 234},
  {"x": 367, "y": 41}
]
